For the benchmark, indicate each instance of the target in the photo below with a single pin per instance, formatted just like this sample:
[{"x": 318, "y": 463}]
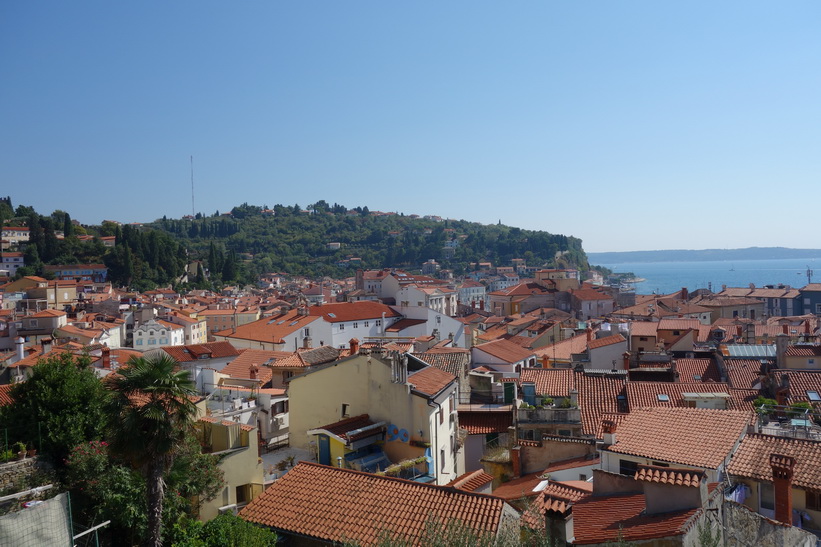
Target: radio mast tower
[{"x": 192, "y": 187}]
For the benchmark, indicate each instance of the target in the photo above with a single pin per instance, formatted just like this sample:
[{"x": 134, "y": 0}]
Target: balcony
[{"x": 549, "y": 415}]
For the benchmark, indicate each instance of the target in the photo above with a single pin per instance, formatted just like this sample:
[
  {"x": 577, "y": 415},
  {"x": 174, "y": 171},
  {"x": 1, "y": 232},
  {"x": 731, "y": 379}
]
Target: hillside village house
[
  {"x": 417, "y": 409},
  {"x": 155, "y": 333}
]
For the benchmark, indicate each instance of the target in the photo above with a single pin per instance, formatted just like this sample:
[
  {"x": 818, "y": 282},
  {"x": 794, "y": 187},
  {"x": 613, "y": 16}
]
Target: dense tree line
[{"x": 296, "y": 240}]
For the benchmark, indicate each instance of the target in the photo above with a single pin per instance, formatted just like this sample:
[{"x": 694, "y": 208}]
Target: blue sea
[{"x": 668, "y": 277}]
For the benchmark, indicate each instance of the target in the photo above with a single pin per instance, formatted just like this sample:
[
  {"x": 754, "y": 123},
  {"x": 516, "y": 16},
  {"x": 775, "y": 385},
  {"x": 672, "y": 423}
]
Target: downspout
[{"x": 435, "y": 445}]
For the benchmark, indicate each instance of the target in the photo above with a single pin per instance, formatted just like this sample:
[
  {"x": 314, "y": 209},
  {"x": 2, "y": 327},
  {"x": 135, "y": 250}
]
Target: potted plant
[
  {"x": 20, "y": 448},
  {"x": 31, "y": 451}
]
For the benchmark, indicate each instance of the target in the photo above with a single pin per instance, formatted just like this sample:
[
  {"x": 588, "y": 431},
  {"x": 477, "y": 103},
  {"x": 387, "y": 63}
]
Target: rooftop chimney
[
  {"x": 252, "y": 371},
  {"x": 609, "y": 436},
  {"x": 626, "y": 357},
  {"x": 782, "y": 467},
  {"x": 106, "y": 357},
  {"x": 21, "y": 348},
  {"x": 684, "y": 294},
  {"x": 45, "y": 343},
  {"x": 589, "y": 332},
  {"x": 516, "y": 461},
  {"x": 354, "y": 345}
]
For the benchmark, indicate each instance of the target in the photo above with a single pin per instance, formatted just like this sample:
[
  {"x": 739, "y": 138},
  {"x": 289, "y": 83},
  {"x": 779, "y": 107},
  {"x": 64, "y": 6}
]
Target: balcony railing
[{"x": 549, "y": 415}]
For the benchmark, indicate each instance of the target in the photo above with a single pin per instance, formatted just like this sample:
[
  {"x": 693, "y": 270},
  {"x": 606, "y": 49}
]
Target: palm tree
[{"x": 151, "y": 411}]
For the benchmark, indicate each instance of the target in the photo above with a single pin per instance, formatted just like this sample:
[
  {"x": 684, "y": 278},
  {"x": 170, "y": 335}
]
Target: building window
[
  {"x": 367, "y": 324},
  {"x": 441, "y": 417},
  {"x": 342, "y": 326},
  {"x": 306, "y": 332},
  {"x": 767, "y": 495},
  {"x": 628, "y": 467},
  {"x": 139, "y": 342},
  {"x": 378, "y": 322},
  {"x": 345, "y": 410},
  {"x": 813, "y": 500},
  {"x": 442, "y": 460},
  {"x": 356, "y": 325}
]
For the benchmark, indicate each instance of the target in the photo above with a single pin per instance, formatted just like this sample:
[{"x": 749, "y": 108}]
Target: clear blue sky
[{"x": 632, "y": 125}]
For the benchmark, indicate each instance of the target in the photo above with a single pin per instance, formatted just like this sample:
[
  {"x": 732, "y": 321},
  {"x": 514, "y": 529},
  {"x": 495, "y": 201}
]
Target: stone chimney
[
  {"x": 106, "y": 351},
  {"x": 45, "y": 344},
  {"x": 609, "y": 436},
  {"x": 782, "y": 467},
  {"x": 354, "y": 345},
  {"x": 307, "y": 343},
  {"x": 782, "y": 341}
]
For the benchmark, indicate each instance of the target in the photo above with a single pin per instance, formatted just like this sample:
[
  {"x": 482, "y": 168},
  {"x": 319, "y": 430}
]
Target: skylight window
[
  {"x": 663, "y": 397},
  {"x": 294, "y": 323},
  {"x": 814, "y": 396},
  {"x": 281, "y": 322},
  {"x": 332, "y": 315}
]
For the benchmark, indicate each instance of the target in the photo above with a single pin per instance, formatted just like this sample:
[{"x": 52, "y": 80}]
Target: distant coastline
[{"x": 681, "y": 255}]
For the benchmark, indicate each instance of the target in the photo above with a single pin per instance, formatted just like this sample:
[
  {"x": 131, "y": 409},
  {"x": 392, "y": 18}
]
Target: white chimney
[{"x": 21, "y": 348}]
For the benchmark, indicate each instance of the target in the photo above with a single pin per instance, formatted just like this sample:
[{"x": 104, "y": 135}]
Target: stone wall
[
  {"x": 744, "y": 528},
  {"x": 17, "y": 474}
]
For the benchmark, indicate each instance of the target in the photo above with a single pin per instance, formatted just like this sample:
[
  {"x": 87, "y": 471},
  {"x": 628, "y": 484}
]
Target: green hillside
[{"x": 293, "y": 240}]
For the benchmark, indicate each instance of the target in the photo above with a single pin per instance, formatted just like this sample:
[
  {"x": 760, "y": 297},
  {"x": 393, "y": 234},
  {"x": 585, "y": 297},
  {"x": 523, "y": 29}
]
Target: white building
[{"x": 154, "y": 333}]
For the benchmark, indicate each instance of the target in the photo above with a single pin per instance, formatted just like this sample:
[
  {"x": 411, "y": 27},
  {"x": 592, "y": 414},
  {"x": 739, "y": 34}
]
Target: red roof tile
[
  {"x": 677, "y": 435},
  {"x": 669, "y": 475},
  {"x": 431, "y": 380},
  {"x": 5, "y": 394},
  {"x": 706, "y": 370},
  {"x": 652, "y": 394},
  {"x": 352, "y": 311},
  {"x": 334, "y": 504},
  {"x": 606, "y": 341},
  {"x": 599, "y": 519},
  {"x": 478, "y": 423},
  {"x": 554, "y": 382},
  {"x": 506, "y": 351},
  {"x": 751, "y": 460},
  {"x": 472, "y": 481},
  {"x": 214, "y": 350}
]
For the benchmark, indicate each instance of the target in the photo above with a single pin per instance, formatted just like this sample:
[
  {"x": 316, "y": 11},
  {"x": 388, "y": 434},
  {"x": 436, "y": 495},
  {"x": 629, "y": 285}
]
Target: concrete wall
[{"x": 537, "y": 458}]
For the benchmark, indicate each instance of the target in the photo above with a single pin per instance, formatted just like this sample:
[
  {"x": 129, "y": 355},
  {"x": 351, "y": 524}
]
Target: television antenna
[
  {"x": 192, "y": 187},
  {"x": 809, "y": 275}
]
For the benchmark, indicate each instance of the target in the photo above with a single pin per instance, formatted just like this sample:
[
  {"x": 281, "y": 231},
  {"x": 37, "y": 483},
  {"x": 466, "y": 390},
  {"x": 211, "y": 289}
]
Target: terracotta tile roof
[
  {"x": 606, "y": 341},
  {"x": 308, "y": 357},
  {"x": 801, "y": 381},
  {"x": 804, "y": 351},
  {"x": 554, "y": 382},
  {"x": 669, "y": 475},
  {"x": 643, "y": 328},
  {"x": 677, "y": 435},
  {"x": 430, "y": 381},
  {"x": 742, "y": 373},
  {"x": 269, "y": 329},
  {"x": 561, "y": 351},
  {"x": 559, "y": 497},
  {"x": 210, "y": 420},
  {"x": 506, "y": 351},
  {"x": 652, "y": 394},
  {"x": 705, "y": 368},
  {"x": 352, "y": 311},
  {"x": 581, "y": 461},
  {"x": 215, "y": 350},
  {"x": 522, "y": 289},
  {"x": 48, "y": 313},
  {"x": 343, "y": 428},
  {"x": 240, "y": 367},
  {"x": 597, "y": 395},
  {"x": 678, "y": 324},
  {"x": 590, "y": 295},
  {"x": 521, "y": 488},
  {"x": 599, "y": 519},
  {"x": 751, "y": 460},
  {"x": 472, "y": 481},
  {"x": 482, "y": 423},
  {"x": 333, "y": 504},
  {"x": 454, "y": 361}
]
